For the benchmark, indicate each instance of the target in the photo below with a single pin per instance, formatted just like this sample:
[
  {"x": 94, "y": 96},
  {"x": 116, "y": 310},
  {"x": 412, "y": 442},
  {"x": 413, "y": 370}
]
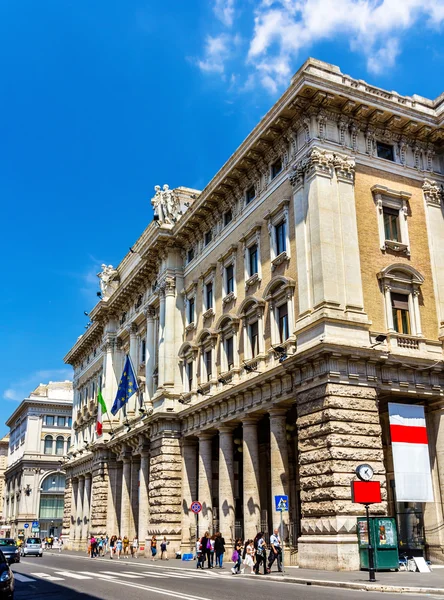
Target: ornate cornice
[{"x": 433, "y": 193}]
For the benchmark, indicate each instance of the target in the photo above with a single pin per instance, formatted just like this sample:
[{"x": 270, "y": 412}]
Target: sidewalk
[{"x": 394, "y": 582}]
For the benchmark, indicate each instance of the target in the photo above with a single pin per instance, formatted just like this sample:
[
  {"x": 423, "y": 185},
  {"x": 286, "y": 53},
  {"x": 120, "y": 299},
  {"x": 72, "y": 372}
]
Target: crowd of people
[
  {"x": 247, "y": 555},
  {"x": 122, "y": 547}
]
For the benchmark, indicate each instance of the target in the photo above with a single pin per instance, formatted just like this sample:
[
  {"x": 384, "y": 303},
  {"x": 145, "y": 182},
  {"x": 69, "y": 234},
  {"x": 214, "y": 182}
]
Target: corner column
[
  {"x": 252, "y": 504},
  {"x": 226, "y": 484},
  {"x": 205, "y": 483}
]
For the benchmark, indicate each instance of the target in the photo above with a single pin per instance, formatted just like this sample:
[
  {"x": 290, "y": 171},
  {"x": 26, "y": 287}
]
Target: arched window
[
  {"x": 228, "y": 347},
  {"x": 279, "y": 294},
  {"x": 187, "y": 355},
  {"x": 54, "y": 483},
  {"x": 207, "y": 342},
  {"x": 60, "y": 445},
  {"x": 48, "y": 444},
  {"x": 51, "y": 504},
  {"x": 251, "y": 312}
]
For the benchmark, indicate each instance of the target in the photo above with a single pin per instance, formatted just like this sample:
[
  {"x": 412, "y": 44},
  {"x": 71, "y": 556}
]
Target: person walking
[
  {"x": 199, "y": 555},
  {"x": 275, "y": 551},
  {"x": 126, "y": 544},
  {"x": 237, "y": 556},
  {"x": 219, "y": 548},
  {"x": 119, "y": 547},
  {"x": 60, "y": 544},
  {"x": 248, "y": 556},
  {"x": 206, "y": 548},
  {"x": 164, "y": 548},
  {"x": 134, "y": 547},
  {"x": 212, "y": 546},
  {"x": 93, "y": 546},
  {"x": 153, "y": 547},
  {"x": 112, "y": 546},
  {"x": 260, "y": 547}
]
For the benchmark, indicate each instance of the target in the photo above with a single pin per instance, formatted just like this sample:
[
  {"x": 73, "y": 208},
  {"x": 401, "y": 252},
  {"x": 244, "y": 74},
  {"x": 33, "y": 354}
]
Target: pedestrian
[
  {"x": 248, "y": 556},
  {"x": 112, "y": 546},
  {"x": 206, "y": 547},
  {"x": 275, "y": 551},
  {"x": 126, "y": 544},
  {"x": 219, "y": 548},
  {"x": 93, "y": 546},
  {"x": 260, "y": 553},
  {"x": 119, "y": 547},
  {"x": 60, "y": 544},
  {"x": 199, "y": 555},
  {"x": 153, "y": 547},
  {"x": 134, "y": 547},
  {"x": 236, "y": 557},
  {"x": 163, "y": 548},
  {"x": 212, "y": 543}
]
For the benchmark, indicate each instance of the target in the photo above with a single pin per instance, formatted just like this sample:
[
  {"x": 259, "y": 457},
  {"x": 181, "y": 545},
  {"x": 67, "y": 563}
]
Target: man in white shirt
[{"x": 276, "y": 551}]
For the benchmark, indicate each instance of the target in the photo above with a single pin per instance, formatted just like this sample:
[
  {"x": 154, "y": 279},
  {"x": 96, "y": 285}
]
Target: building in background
[
  {"x": 4, "y": 448},
  {"x": 39, "y": 439},
  {"x": 270, "y": 319}
]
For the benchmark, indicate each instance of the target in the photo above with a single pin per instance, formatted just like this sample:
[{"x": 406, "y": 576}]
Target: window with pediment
[
  {"x": 251, "y": 313},
  {"x": 252, "y": 256},
  {"x": 228, "y": 345},
  {"x": 279, "y": 295},
  {"x": 278, "y": 229},
  {"x": 392, "y": 212},
  {"x": 228, "y": 272},
  {"x": 207, "y": 345},
  {"x": 187, "y": 356}
]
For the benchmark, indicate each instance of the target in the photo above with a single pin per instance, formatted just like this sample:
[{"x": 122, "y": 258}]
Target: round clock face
[{"x": 364, "y": 472}]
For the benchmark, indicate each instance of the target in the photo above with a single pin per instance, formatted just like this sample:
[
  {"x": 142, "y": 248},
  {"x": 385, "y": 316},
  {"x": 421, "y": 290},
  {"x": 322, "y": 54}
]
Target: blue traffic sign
[
  {"x": 281, "y": 503},
  {"x": 26, "y": 525},
  {"x": 35, "y": 524}
]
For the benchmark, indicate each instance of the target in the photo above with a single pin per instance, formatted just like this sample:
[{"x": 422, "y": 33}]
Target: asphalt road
[{"x": 62, "y": 577}]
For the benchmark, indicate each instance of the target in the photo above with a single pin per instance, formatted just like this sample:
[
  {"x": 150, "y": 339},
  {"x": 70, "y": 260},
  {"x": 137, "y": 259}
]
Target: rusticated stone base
[
  {"x": 338, "y": 428},
  {"x": 67, "y": 509}
]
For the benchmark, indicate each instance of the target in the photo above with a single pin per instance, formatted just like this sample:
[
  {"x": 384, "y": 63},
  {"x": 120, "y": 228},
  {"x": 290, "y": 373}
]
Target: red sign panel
[{"x": 366, "y": 492}]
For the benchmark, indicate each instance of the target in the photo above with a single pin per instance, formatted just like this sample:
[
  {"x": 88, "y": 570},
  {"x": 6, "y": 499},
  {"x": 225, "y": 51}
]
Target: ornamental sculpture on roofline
[
  {"x": 108, "y": 283},
  {"x": 166, "y": 204}
]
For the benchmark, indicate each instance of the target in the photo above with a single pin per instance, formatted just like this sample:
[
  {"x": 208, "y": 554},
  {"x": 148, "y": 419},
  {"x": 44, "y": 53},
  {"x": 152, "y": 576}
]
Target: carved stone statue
[
  {"x": 166, "y": 205},
  {"x": 106, "y": 276}
]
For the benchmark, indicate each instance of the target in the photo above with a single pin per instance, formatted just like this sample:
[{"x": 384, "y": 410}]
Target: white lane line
[
  {"x": 120, "y": 574},
  {"x": 72, "y": 575},
  {"x": 149, "y": 574},
  {"x": 48, "y": 577},
  {"x": 23, "y": 578},
  {"x": 97, "y": 575}
]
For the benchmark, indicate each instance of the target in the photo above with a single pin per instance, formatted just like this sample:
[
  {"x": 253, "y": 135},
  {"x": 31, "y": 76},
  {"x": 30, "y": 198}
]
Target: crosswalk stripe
[
  {"x": 151, "y": 574},
  {"x": 98, "y": 575},
  {"x": 22, "y": 578},
  {"x": 128, "y": 575},
  {"x": 72, "y": 575},
  {"x": 48, "y": 577}
]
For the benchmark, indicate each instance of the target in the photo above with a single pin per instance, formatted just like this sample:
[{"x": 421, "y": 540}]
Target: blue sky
[{"x": 102, "y": 100}]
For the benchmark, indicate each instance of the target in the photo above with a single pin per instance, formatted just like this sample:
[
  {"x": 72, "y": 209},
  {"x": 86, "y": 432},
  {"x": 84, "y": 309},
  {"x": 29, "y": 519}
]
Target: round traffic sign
[
  {"x": 196, "y": 507},
  {"x": 26, "y": 525}
]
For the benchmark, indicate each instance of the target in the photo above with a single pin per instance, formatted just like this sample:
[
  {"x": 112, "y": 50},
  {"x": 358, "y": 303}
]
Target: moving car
[
  {"x": 6, "y": 579},
  {"x": 32, "y": 547},
  {"x": 10, "y": 550}
]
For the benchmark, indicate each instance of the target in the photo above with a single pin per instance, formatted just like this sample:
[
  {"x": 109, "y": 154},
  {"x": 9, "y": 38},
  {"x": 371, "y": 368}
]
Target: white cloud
[
  {"x": 224, "y": 11},
  {"x": 284, "y": 29},
  {"x": 18, "y": 390}
]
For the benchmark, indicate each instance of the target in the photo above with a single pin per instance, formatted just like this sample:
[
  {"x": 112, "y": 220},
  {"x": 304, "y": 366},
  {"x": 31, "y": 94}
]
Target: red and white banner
[{"x": 410, "y": 450}]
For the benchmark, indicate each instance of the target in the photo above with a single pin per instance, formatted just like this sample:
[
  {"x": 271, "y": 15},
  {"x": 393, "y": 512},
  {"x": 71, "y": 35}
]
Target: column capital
[
  {"x": 205, "y": 435},
  {"x": 88, "y": 476},
  {"x": 227, "y": 428},
  {"x": 250, "y": 420},
  {"x": 277, "y": 412}
]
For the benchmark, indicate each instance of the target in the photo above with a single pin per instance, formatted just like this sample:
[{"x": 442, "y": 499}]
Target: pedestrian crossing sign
[{"x": 281, "y": 503}]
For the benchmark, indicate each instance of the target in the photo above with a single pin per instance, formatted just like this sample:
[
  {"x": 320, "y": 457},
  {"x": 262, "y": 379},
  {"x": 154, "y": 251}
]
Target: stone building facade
[
  {"x": 39, "y": 439},
  {"x": 270, "y": 319},
  {"x": 4, "y": 447}
]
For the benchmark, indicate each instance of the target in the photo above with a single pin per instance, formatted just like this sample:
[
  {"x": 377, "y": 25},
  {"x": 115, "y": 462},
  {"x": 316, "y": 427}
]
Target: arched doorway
[{"x": 52, "y": 491}]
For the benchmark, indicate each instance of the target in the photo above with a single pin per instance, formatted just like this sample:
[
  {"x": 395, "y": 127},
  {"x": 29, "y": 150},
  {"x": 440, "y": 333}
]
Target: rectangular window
[
  {"x": 401, "y": 315},
  {"x": 190, "y": 310},
  {"x": 229, "y": 352},
  {"x": 209, "y": 295},
  {"x": 250, "y": 195},
  {"x": 190, "y": 255},
  {"x": 254, "y": 339},
  {"x": 208, "y": 364},
  {"x": 49, "y": 420},
  {"x": 69, "y": 421},
  {"x": 252, "y": 260},
  {"x": 208, "y": 237},
  {"x": 228, "y": 217},
  {"x": 281, "y": 244},
  {"x": 391, "y": 224},
  {"x": 283, "y": 322},
  {"x": 385, "y": 151},
  {"x": 143, "y": 351},
  {"x": 229, "y": 279},
  {"x": 190, "y": 376},
  {"x": 276, "y": 168},
  {"x": 61, "y": 421}
]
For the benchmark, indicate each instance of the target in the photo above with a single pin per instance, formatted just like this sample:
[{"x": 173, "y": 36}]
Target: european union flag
[{"x": 127, "y": 387}]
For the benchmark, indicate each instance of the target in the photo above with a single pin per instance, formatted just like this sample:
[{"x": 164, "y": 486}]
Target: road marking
[
  {"x": 124, "y": 574},
  {"x": 97, "y": 575},
  {"x": 23, "y": 578},
  {"x": 72, "y": 575},
  {"x": 46, "y": 576}
]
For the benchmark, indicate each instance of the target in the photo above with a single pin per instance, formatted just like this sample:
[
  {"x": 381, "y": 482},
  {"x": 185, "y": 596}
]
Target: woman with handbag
[
  {"x": 261, "y": 553},
  {"x": 206, "y": 549},
  {"x": 237, "y": 556},
  {"x": 219, "y": 547}
]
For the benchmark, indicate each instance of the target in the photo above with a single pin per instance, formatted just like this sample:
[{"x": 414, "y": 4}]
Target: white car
[{"x": 32, "y": 547}]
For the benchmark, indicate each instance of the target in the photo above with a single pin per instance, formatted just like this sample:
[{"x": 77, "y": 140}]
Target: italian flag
[{"x": 100, "y": 412}]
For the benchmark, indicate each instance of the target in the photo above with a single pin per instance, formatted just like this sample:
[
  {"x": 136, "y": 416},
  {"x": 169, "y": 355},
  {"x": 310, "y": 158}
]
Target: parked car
[
  {"x": 32, "y": 547},
  {"x": 7, "y": 582},
  {"x": 10, "y": 550}
]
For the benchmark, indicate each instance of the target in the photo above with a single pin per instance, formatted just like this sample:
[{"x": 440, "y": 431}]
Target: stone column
[
  {"x": 114, "y": 496},
  {"x": 150, "y": 358},
  {"x": 279, "y": 463},
  {"x": 161, "y": 355},
  {"x": 73, "y": 512},
  {"x": 134, "y": 522},
  {"x": 169, "y": 331},
  {"x": 433, "y": 511},
  {"x": 189, "y": 492},
  {"x": 86, "y": 506},
  {"x": 205, "y": 483},
  {"x": 144, "y": 504},
  {"x": 252, "y": 507},
  {"x": 338, "y": 428},
  {"x": 125, "y": 510},
  {"x": 226, "y": 484},
  {"x": 99, "y": 494},
  {"x": 79, "y": 512}
]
